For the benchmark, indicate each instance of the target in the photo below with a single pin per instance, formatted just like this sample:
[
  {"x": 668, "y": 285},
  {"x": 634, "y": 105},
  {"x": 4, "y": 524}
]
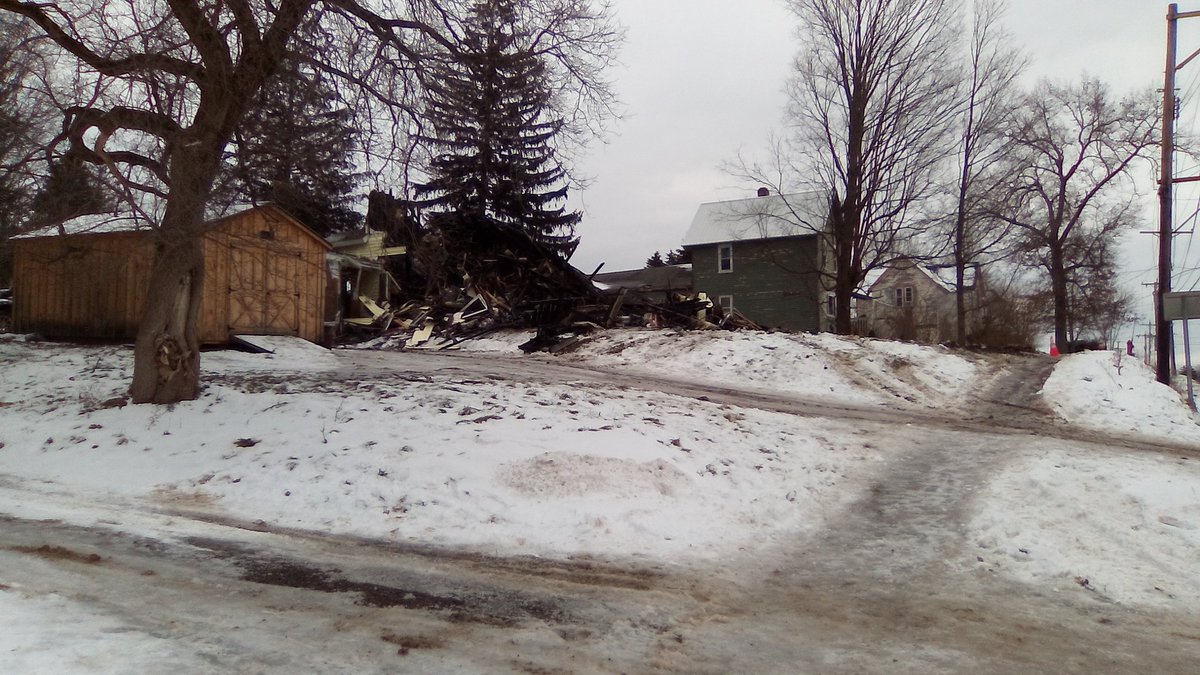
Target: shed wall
[
  {"x": 264, "y": 273},
  {"x": 80, "y": 287}
]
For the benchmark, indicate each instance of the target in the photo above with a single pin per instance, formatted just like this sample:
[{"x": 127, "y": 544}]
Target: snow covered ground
[
  {"x": 844, "y": 369},
  {"x": 508, "y": 467},
  {"x": 1123, "y": 524},
  {"x": 500, "y": 467}
]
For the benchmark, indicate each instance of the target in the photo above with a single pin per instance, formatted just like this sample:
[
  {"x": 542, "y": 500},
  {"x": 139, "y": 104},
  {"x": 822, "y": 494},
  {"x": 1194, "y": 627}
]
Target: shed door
[{"x": 263, "y": 286}]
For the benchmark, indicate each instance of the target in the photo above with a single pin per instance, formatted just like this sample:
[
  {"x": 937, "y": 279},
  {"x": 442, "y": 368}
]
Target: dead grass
[
  {"x": 59, "y": 553},
  {"x": 409, "y": 642}
]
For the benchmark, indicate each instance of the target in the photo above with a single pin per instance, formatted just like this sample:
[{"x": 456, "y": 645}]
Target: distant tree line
[
  {"x": 679, "y": 256},
  {"x": 910, "y": 117}
]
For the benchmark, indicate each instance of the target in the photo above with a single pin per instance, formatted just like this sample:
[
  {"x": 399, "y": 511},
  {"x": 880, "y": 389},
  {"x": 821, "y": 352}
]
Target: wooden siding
[
  {"x": 264, "y": 273},
  {"x": 773, "y": 282},
  {"x": 80, "y": 286}
]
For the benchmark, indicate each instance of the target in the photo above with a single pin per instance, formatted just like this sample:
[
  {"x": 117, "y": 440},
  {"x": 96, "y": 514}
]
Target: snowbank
[
  {"x": 511, "y": 468},
  {"x": 1125, "y": 527},
  {"x": 1089, "y": 389},
  {"x": 850, "y": 370}
]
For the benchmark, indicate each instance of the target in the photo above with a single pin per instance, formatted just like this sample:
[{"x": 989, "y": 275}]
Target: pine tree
[
  {"x": 71, "y": 189},
  {"x": 22, "y": 124},
  {"x": 493, "y": 133},
  {"x": 295, "y": 149},
  {"x": 679, "y": 256}
]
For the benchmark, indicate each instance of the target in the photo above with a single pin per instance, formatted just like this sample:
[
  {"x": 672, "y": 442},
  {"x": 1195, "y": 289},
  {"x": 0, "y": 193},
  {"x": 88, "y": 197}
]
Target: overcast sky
[{"x": 702, "y": 80}]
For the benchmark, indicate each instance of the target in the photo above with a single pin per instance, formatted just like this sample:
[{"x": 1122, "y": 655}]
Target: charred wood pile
[{"x": 464, "y": 279}]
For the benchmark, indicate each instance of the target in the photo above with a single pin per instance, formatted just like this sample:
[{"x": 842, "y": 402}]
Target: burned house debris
[
  {"x": 452, "y": 278},
  {"x": 362, "y": 283}
]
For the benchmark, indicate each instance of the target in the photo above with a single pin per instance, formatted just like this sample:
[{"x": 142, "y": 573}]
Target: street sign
[
  {"x": 1183, "y": 307},
  {"x": 1180, "y": 306}
]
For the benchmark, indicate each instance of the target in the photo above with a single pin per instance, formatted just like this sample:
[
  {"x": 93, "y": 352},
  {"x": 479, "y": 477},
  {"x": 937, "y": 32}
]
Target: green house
[{"x": 765, "y": 258}]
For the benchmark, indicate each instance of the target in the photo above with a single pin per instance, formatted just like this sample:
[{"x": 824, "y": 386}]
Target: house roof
[
  {"x": 664, "y": 278},
  {"x": 942, "y": 276},
  {"x": 946, "y": 277},
  {"x": 770, "y": 217},
  {"x": 366, "y": 243}
]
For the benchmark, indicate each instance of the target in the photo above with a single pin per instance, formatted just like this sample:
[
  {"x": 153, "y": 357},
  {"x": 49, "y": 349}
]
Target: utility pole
[
  {"x": 1165, "y": 197},
  {"x": 1165, "y": 331}
]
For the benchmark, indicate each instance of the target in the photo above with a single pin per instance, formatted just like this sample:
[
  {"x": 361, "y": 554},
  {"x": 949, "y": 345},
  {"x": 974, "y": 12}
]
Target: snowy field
[
  {"x": 500, "y": 467},
  {"x": 511, "y": 468}
]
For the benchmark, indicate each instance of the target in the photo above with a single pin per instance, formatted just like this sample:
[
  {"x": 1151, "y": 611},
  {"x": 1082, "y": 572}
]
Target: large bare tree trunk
[
  {"x": 166, "y": 365},
  {"x": 1058, "y": 281},
  {"x": 960, "y": 305},
  {"x": 166, "y": 358},
  {"x": 843, "y": 246}
]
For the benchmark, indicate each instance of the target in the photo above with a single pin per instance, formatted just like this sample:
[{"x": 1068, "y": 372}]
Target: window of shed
[
  {"x": 904, "y": 296},
  {"x": 725, "y": 258},
  {"x": 726, "y": 303}
]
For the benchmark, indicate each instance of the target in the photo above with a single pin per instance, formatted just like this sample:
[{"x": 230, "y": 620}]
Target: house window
[
  {"x": 725, "y": 258},
  {"x": 726, "y": 303},
  {"x": 904, "y": 296}
]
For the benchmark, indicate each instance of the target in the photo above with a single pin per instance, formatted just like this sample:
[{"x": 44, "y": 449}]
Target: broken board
[{"x": 277, "y": 344}]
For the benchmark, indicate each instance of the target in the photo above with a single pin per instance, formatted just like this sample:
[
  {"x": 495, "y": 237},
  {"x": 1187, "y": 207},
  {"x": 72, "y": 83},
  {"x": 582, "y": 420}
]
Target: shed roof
[
  {"x": 126, "y": 221},
  {"x": 92, "y": 223},
  {"x": 770, "y": 217}
]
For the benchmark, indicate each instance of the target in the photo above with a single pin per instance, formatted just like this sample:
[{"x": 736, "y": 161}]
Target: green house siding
[{"x": 773, "y": 282}]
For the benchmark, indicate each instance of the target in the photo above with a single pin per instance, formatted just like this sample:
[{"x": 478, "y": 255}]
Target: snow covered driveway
[{"x": 520, "y": 516}]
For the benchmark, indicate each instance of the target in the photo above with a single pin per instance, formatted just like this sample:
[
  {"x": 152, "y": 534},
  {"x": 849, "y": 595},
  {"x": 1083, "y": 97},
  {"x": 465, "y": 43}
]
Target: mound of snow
[
  {"x": 1125, "y": 527},
  {"x": 1108, "y": 392},
  {"x": 848, "y": 370}
]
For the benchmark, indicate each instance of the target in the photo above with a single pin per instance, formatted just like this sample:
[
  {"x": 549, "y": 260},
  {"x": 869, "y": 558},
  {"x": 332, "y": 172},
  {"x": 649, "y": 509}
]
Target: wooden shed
[{"x": 265, "y": 274}]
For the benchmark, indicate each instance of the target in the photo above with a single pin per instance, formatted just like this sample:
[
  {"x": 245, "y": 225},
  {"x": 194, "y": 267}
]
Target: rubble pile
[{"x": 456, "y": 285}]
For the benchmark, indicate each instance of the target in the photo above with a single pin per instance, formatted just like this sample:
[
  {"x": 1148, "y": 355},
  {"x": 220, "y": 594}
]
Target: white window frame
[
  {"x": 724, "y": 258},
  {"x": 726, "y": 303},
  {"x": 904, "y": 296}
]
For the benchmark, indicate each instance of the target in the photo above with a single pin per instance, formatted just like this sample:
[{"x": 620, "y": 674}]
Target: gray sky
[{"x": 703, "y": 80}]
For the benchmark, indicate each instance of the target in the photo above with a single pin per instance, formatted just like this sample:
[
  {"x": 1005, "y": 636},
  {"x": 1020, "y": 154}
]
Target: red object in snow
[
  {"x": 1053, "y": 349},
  {"x": 1129, "y": 347}
]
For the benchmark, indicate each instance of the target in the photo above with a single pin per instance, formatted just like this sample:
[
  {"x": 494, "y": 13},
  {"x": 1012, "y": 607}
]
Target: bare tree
[
  {"x": 872, "y": 101},
  {"x": 159, "y": 89},
  {"x": 992, "y": 69},
  {"x": 872, "y": 97},
  {"x": 1074, "y": 146}
]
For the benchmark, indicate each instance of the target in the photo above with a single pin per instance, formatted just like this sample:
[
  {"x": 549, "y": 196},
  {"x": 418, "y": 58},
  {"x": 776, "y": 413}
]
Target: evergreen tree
[
  {"x": 679, "y": 256},
  {"x": 71, "y": 189},
  {"x": 493, "y": 132},
  {"x": 295, "y": 149},
  {"x": 21, "y": 125},
  {"x": 655, "y": 260}
]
